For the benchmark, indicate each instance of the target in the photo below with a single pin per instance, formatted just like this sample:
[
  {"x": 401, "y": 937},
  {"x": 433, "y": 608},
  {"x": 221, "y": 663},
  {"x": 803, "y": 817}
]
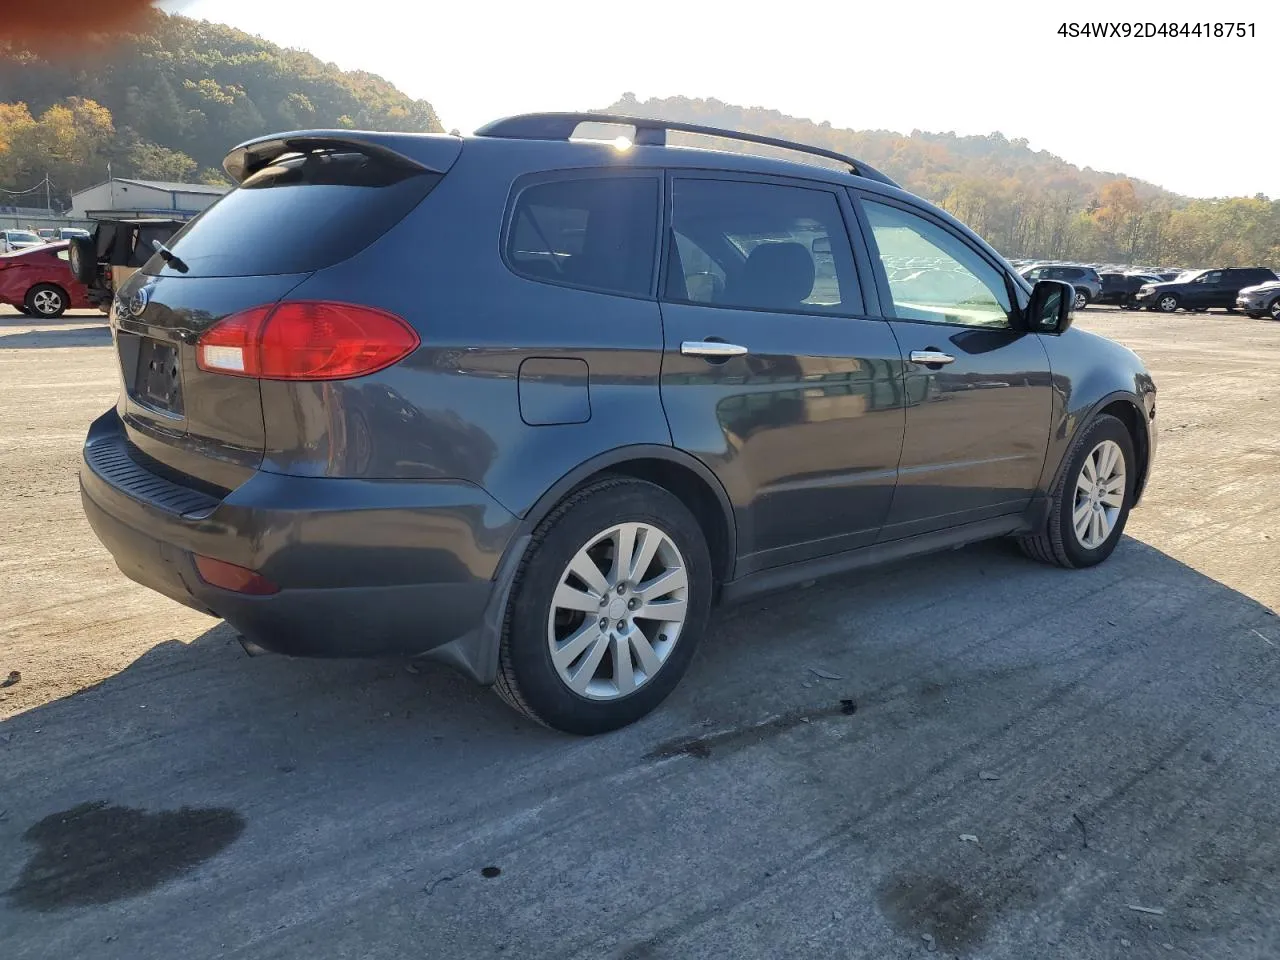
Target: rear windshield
[{"x": 303, "y": 213}]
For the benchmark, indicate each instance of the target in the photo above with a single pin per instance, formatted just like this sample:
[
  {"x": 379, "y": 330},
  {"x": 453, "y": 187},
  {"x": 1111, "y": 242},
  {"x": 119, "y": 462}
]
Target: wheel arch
[
  {"x": 675, "y": 471},
  {"x": 1127, "y": 408}
]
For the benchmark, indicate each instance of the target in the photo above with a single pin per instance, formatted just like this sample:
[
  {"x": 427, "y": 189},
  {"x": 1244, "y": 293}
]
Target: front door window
[{"x": 933, "y": 276}]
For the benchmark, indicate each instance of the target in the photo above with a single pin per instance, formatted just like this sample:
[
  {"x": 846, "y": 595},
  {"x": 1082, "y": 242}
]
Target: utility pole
[{"x": 48, "y": 200}]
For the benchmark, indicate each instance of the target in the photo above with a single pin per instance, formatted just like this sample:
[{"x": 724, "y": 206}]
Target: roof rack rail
[{"x": 649, "y": 132}]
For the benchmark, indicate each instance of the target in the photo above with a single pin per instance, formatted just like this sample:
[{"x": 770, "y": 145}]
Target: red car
[{"x": 38, "y": 281}]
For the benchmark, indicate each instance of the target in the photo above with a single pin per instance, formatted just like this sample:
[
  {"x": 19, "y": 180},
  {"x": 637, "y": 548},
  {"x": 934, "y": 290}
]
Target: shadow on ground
[
  {"x": 64, "y": 336},
  {"x": 10, "y": 317},
  {"x": 969, "y": 754}
]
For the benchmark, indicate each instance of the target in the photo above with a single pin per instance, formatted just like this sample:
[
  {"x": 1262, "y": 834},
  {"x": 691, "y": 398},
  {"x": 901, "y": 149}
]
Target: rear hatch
[{"x": 306, "y": 202}]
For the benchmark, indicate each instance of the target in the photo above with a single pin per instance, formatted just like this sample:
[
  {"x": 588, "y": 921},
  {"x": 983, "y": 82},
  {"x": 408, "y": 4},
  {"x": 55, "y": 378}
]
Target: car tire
[
  {"x": 82, "y": 256},
  {"x": 1273, "y": 311},
  {"x": 46, "y": 301},
  {"x": 1060, "y": 542},
  {"x": 1168, "y": 303},
  {"x": 587, "y": 622},
  {"x": 1082, "y": 300},
  {"x": 1252, "y": 315}
]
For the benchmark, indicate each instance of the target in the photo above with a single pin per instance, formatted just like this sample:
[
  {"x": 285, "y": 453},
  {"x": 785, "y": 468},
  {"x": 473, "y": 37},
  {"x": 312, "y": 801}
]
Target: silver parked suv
[{"x": 1085, "y": 279}]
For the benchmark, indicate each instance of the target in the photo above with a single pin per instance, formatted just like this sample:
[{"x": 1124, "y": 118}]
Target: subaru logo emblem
[{"x": 138, "y": 302}]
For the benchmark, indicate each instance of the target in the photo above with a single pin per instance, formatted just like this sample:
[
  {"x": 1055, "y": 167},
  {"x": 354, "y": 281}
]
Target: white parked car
[
  {"x": 54, "y": 234},
  {"x": 11, "y": 240}
]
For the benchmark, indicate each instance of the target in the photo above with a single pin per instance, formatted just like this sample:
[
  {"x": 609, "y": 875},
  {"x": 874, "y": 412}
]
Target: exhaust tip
[{"x": 251, "y": 648}]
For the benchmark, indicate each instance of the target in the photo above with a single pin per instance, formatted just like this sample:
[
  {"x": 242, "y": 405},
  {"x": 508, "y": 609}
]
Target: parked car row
[
  {"x": 1199, "y": 290},
  {"x": 1253, "y": 290},
  {"x": 12, "y": 240},
  {"x": 54, "y": 234}
]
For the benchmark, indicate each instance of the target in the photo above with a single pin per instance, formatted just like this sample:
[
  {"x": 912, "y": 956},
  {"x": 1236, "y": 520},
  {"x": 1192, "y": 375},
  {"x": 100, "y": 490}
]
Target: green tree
[
  {"x": 213, "y": 176},
  {"x": 150, "y": 161}
]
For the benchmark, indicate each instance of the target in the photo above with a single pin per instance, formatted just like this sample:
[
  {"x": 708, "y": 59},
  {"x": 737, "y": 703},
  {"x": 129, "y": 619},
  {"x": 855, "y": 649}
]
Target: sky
[{"x": 1198, "y": 116}]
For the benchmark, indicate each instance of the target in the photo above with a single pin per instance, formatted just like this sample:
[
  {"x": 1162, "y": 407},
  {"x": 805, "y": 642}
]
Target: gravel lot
[{"x": 1028, "y": 756}]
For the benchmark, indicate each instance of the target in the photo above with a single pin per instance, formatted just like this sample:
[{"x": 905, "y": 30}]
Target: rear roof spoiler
[{"x": 427, "y": 153}]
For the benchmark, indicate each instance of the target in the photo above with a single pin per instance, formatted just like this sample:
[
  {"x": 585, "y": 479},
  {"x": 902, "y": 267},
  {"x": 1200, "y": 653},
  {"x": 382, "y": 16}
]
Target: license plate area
[{"x": 158, "y": 380}]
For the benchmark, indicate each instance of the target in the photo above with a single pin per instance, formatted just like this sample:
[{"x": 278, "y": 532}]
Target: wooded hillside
[
  {"x": 1024, "y": 202},
  {"x": 168, "y": 103}
]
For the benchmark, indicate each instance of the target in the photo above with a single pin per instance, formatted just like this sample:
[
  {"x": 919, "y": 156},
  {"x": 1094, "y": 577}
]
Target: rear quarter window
[
  {"x": 598, "y": 233},
  {"x": 304, "y": 212}
]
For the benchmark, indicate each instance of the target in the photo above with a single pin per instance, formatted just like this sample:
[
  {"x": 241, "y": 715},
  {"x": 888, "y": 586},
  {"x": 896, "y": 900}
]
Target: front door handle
[
  {"x": 712, "y": 349},
  {"x": 931, "y": 357}
]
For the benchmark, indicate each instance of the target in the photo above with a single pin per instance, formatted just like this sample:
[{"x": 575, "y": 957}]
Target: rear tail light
[
  {"x": 305, "y": 340},
  {"x": 219, "y": 573}
]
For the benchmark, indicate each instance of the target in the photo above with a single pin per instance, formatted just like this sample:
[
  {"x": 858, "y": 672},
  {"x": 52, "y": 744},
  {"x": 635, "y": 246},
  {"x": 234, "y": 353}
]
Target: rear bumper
[{"x": 365, "y": 567}]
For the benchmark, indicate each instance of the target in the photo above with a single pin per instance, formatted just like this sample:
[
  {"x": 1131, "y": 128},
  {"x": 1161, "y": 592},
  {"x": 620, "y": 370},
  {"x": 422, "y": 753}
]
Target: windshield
[
  {"x": 1187, "y": 275},
  {"x": 21, "y": 236}
]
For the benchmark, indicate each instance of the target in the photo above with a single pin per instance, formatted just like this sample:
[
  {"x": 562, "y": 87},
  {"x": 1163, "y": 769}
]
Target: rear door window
[
  {"x": 304, "y": 212},
  {"x": 598, "y": 233}
]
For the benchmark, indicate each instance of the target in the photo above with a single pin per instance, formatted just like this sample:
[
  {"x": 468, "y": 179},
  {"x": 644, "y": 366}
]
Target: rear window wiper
[{"x": 169, "y": 257}]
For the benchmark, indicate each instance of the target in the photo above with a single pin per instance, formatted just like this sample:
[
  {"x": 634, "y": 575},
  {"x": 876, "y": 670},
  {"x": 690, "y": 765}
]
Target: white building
[{"x": 124, "y": 197}]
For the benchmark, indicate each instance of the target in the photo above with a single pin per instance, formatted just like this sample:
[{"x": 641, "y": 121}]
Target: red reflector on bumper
[{"x": 219, "y": 573}]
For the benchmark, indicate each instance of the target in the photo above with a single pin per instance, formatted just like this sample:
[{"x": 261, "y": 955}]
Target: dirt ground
[{"x": 1016, "y": 761}]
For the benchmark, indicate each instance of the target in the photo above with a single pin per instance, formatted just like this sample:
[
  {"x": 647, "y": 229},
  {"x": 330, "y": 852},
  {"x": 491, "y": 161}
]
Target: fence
[{"x": 9, "y": 221}]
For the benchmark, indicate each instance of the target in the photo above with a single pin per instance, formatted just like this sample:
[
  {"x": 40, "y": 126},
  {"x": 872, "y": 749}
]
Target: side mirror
[{"x": 1052, "y": 306}]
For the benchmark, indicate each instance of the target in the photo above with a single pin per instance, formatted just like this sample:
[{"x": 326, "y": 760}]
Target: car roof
[
  {"x": 430, "y": 148},
  {"x": 518, "y": 155}
]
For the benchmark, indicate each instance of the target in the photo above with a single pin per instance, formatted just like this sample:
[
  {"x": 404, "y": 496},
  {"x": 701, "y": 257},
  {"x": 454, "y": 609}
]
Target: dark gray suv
[{"x": 530, "y": 406}]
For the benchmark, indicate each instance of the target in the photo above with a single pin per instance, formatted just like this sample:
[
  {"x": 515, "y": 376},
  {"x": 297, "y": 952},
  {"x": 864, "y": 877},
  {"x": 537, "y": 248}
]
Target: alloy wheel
[
  {"x": 1099, "y": 495},
  {"x": 1275, "y": 309},
  {"x": 47, "y": 302},
  {"x": 1081, "y": 301},
  {"x": 1168, "y": 304},
  {"x": 618, "y": 611}
]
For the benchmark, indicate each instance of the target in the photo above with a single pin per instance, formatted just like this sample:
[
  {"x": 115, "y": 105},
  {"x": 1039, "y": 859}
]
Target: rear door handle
[
  {"x": 931, "y": 357},
  {"x": 715, "y": 349}
]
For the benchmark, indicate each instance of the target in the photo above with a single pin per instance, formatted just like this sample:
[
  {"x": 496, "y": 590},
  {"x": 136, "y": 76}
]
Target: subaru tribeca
[{"x": 530, "y": 405}]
